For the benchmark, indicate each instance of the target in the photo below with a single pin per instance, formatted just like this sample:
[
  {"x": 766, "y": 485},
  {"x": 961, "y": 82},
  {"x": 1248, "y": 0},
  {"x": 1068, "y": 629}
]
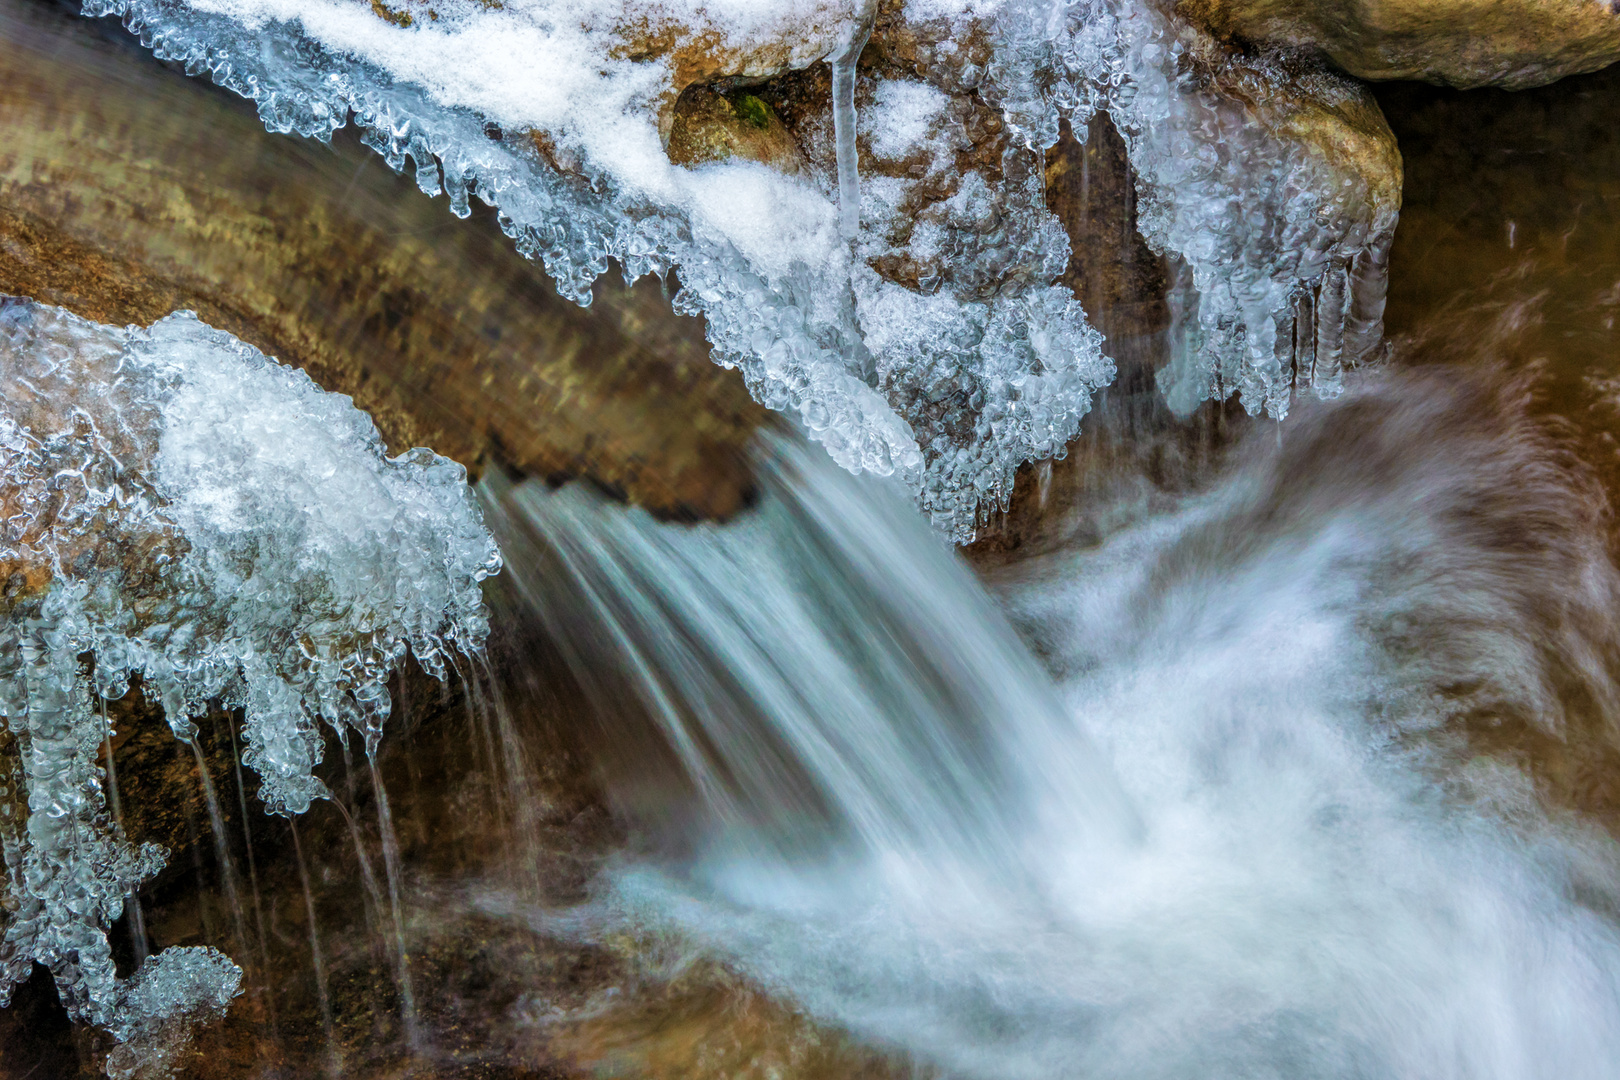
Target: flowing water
[
  {"x": 1254, "y": 827},
  {"x": 1305, "y": 765}
]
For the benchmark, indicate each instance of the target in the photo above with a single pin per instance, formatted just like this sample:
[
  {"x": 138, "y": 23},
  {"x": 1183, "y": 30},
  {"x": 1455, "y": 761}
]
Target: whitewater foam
[{"x": 1323, "y": 878}]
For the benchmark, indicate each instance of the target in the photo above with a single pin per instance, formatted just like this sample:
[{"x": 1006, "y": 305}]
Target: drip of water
[
  {"x": 402, "y": 958},
  {"x": 334, "y": 1059},
  {"x": 199, "y": 875},
  {"x": 253, "y": 869},
  {"x": 478, "y": 724},
  {"x": 368, "y": 877},
  {"x": 132, "y": 902},
  {"x": 222, "y": 851},
  {"x": 521, "y": 804}
]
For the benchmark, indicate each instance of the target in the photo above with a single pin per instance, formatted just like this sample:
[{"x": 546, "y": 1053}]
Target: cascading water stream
[
  {"x": 1274, "y": 861},
  {"x": 825, "y": 672}
]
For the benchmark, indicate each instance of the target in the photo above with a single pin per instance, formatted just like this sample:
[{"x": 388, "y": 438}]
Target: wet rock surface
[
  {"x": 128, "y": 191},
  {"x": 1462, "y": 43}
]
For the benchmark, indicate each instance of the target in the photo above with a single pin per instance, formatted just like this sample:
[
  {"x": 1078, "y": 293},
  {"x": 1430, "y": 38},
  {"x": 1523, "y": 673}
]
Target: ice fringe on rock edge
[
  {"x": 177, "y": 504},
  {"x": 778, "y": 300},
  {"x": 1279, "y": 258},
  {"x": 1282, "y": 264}
]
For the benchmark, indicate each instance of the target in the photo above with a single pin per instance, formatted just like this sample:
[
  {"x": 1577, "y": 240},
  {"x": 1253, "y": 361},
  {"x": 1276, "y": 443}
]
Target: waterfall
[
  {"x": 1217, "y": 846},
  {"x": 825, "y": 667}
]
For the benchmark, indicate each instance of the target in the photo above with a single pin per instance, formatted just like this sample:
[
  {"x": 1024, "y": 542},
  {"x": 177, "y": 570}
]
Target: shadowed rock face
[
  {"x": 1510, "y": 233},
  {"x": 128, "y": 191},
  {"x": 1462, "y": 43}
]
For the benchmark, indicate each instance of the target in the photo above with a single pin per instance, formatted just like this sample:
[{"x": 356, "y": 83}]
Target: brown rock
[
  {"x": 1462, "y": 43},
  {"x": 712, "y": 126},
  {"x": 128, "y": 191},
  {"x": 706, "y": 52}
]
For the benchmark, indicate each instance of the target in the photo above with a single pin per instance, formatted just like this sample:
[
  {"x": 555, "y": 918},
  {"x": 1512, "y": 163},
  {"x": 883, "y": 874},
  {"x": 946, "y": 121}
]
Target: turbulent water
[
  {"x": 1261, "y": 836},
  {"x": 823, "y": 669},
  {"x": 1256, "y": 781}
]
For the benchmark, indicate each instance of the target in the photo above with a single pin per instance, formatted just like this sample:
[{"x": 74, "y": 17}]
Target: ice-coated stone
[
  {"x": 1514, "y": 44},
  {"x": 1272, "y": 184},
  {"x": 180, "y": 506},
  {"x": 966, "y": 361}
]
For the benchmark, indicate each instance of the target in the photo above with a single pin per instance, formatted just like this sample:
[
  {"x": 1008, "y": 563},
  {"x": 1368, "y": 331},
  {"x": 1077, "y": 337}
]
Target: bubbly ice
[
  {"x": 951, "y": 376},
  {"x": 1279, "y": 254},
  {"x": 178, "y": 505}
]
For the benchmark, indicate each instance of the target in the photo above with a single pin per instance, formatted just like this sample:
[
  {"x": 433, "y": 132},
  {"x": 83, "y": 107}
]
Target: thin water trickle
[
  {"x": 402, "y": 958},
  {"x": 334, "y": 1059},
  {"x": 194, "y": 845},
  {"x": 517, "y": 791},
  {"x": 368, "y": 878},
  {"x": 222, "y": 850},
  {"x": 478, "y": 723},
  {"x": 263, "y": 940},
  {"x": 132, "y": 902}
]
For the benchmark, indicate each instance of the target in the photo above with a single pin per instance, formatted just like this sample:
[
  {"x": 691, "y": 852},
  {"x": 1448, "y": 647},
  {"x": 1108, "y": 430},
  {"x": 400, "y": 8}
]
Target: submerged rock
[{"x": 1463, "y": 43}]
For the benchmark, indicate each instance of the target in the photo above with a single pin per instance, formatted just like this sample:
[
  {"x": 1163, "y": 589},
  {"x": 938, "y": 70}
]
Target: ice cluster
[
  {"x": 1279, "y": 253},
  {"x": 175, "y": 504},
  {"x": 910, "y": 317}
]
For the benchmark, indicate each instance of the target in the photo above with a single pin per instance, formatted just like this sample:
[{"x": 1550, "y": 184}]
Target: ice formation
[
  {"x": 178, "y": 505},
  {"x": 935, "y": 345},
  {"x": 1279, "y": 255}
]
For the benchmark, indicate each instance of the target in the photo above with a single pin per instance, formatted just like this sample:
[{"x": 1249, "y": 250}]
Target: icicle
[
  {"x": 1331, "y": 303},
  {"x": 843, "y": 104},
  {"x": 1305, "y": 372},
  {"x": 1369, "y": 287}
]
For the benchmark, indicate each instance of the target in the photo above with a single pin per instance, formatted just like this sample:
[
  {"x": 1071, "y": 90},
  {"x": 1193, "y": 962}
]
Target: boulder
[
  {"x": 128, "y": 191},
  {"x": 1462, "y": 43}
]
